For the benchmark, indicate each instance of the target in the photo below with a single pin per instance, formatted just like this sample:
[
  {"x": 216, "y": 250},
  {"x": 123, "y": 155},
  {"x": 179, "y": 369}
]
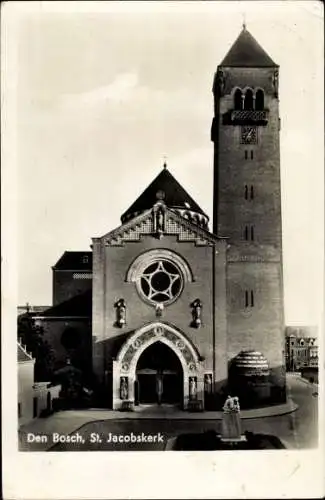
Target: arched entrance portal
[
  {"x": 159, "y": 376},
  {"x": 157, "y": 357}
]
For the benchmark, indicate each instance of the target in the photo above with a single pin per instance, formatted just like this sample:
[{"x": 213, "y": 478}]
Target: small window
[
  {"x": 252, "y": 154},
  {"x": 248, "y": 102},
  {"x": 249, "y": 233},
  {"x": 246, "y": 298},
  {"x": 246, "y": 192},
  {"x": 252, "y": 192},
  {"x": 259, "y": 100},
  {"x": 246, "y": 154},
  {"x": 249, "y": 298},
  {"x": 19, "y": 410},
  {"x": 85, "y": 259},
  {"x": 238, "y": 101}
]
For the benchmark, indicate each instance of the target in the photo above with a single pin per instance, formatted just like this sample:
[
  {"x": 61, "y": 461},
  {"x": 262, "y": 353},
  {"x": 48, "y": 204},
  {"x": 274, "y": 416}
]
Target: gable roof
[
  {"x": 174, "y": 196},
  {"x": 78, "y": 306},
  {"x": 75, "y": 261},
  {"x": 175, "y": 224},
  {"x": 247, "y": 52}
]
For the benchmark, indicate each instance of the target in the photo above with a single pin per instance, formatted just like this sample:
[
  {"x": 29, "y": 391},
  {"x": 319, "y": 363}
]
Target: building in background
[
  {"x": 301, "y": 348},
  {"x": 165, "y": 310},
  {"x": 33, "y": 397}
]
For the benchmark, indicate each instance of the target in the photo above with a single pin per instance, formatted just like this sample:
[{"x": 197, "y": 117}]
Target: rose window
[{"x": 161, "y": 282}]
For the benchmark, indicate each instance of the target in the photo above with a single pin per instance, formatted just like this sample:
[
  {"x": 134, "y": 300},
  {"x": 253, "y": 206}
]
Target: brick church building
[{"x": 164, "y": 310}]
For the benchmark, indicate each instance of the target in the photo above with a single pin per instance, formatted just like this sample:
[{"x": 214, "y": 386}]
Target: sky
[{"x": 102, "y": 92}]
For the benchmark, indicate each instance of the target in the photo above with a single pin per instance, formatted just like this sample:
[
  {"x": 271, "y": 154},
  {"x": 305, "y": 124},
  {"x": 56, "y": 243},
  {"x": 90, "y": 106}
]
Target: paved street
[{"x": 297, "y": 429}]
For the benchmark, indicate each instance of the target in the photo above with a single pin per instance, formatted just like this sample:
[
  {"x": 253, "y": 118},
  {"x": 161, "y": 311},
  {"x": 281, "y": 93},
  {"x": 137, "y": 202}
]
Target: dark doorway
[{"x": 159, "y": 376}]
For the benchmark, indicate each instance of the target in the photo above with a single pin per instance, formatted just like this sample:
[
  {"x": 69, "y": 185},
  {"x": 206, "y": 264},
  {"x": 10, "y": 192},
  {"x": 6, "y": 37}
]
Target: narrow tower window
[
  {"x": 249, "y": 298},
  {"x": 246, "y": 192},
  {"x": 252, "y": 192},
  {"x": 252, "y": 154},
  {"x": 246, "y": 154},
  {"x": 248, "y": 103},
  {"x": 246, "y": 233},
  {"x": 252, "y": 233},
  {"x": 238, "y": 101},
  {"x": 259, "y": 100}
]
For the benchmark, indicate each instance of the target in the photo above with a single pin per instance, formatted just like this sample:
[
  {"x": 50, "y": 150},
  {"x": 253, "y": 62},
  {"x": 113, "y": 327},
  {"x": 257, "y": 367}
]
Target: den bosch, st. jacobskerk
[{"x": 166, "y": 306}]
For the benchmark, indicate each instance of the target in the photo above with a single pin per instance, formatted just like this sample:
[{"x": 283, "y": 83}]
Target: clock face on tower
[{"x": 249, "y": 135}]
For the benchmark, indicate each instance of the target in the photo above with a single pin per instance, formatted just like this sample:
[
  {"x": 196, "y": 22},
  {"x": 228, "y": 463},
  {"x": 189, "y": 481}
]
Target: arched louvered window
[
  {"x": 248, "y": 102},
  {"x": 259, "y": 100},
  {"x": 238, "y": 101}
]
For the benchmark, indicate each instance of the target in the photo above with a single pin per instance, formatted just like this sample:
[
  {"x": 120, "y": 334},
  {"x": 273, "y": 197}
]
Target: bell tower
[{"x": 247, "y": 200}]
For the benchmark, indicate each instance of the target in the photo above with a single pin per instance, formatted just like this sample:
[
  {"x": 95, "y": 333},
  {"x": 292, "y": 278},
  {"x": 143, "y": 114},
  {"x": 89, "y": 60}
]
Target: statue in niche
[
  {"x": 231, "y": 424},
  {"x": 196, "y": 313},
  {"x": 208, "y": 383},
  {"x": 221, "y": 80},
  {"x": 276, "y": 82},
  {"x": 120, "y": 312},
  {"x": 193, "y": 390},
  {"x": 160, "y": 219},
  {"x": 124, "y": 389}
]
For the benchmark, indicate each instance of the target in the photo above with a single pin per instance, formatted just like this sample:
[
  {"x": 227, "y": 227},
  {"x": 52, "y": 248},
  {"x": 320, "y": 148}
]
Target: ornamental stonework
[
  {"x": 157, "y": 332},
  {"x": 133, "y": 232}
]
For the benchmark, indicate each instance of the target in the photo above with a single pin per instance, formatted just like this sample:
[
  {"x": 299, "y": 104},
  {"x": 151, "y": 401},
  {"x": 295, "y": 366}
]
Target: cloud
[{"x": 120, "y": 89}]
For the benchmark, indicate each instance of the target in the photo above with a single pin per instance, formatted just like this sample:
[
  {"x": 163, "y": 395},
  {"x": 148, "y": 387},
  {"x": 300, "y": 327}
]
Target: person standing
[{"x": 159, "y": 387}]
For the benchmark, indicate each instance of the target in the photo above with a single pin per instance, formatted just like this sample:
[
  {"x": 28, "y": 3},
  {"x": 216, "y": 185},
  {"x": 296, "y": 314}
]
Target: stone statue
[
  {"x": 275, "y": 82},
  {"x": 124, "y": 390},
  {"x": 196, "y": 313},
  {"x": 221, "y": 82},
  {"x": 192, "y": 383},
  {"x": 159, "y": 387},
  {"x": 208, "y": 383},
  {"x": 231, "y": 425},
  {"x": 120, "y": 312},
  {"x": 160, "y": 221}
]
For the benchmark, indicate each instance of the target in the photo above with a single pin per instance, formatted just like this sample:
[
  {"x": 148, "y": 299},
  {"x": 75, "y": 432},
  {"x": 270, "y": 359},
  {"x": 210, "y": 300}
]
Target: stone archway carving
[{"x": 129, "y": 354}]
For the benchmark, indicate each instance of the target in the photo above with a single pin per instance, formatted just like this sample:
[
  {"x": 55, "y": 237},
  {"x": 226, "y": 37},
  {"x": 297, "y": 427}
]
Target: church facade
[{"x": 163, "y": 310}]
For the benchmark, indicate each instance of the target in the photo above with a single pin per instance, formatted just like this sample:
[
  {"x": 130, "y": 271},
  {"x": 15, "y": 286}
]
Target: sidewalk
[{"x": 66, "y": 422}]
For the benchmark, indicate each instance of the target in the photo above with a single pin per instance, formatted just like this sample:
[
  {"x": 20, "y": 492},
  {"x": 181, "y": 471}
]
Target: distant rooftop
[{"x": 301, "y": 331}]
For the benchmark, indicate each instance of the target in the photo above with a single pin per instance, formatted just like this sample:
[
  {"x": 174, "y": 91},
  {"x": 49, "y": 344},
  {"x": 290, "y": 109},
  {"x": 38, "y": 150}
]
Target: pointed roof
[
  {"x": 164, "y": 187},
  {"x": 246, "y": 52}
]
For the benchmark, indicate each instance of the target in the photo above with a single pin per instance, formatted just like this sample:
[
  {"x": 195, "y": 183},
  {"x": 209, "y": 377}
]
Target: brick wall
[
  {"x": 68, "y": 284},
  {"x": 110, "y": 265}
]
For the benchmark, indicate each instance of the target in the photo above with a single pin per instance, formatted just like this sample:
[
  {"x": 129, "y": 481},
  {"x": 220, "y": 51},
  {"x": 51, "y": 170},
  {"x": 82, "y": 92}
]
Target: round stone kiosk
[{"x": 249, "y": 379}]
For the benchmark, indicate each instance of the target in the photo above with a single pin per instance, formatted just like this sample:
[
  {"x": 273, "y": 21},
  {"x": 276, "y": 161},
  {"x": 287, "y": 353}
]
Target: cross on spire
[
  {"x": 244, "y": 21},
  {"x": 165, "y": 162}
]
